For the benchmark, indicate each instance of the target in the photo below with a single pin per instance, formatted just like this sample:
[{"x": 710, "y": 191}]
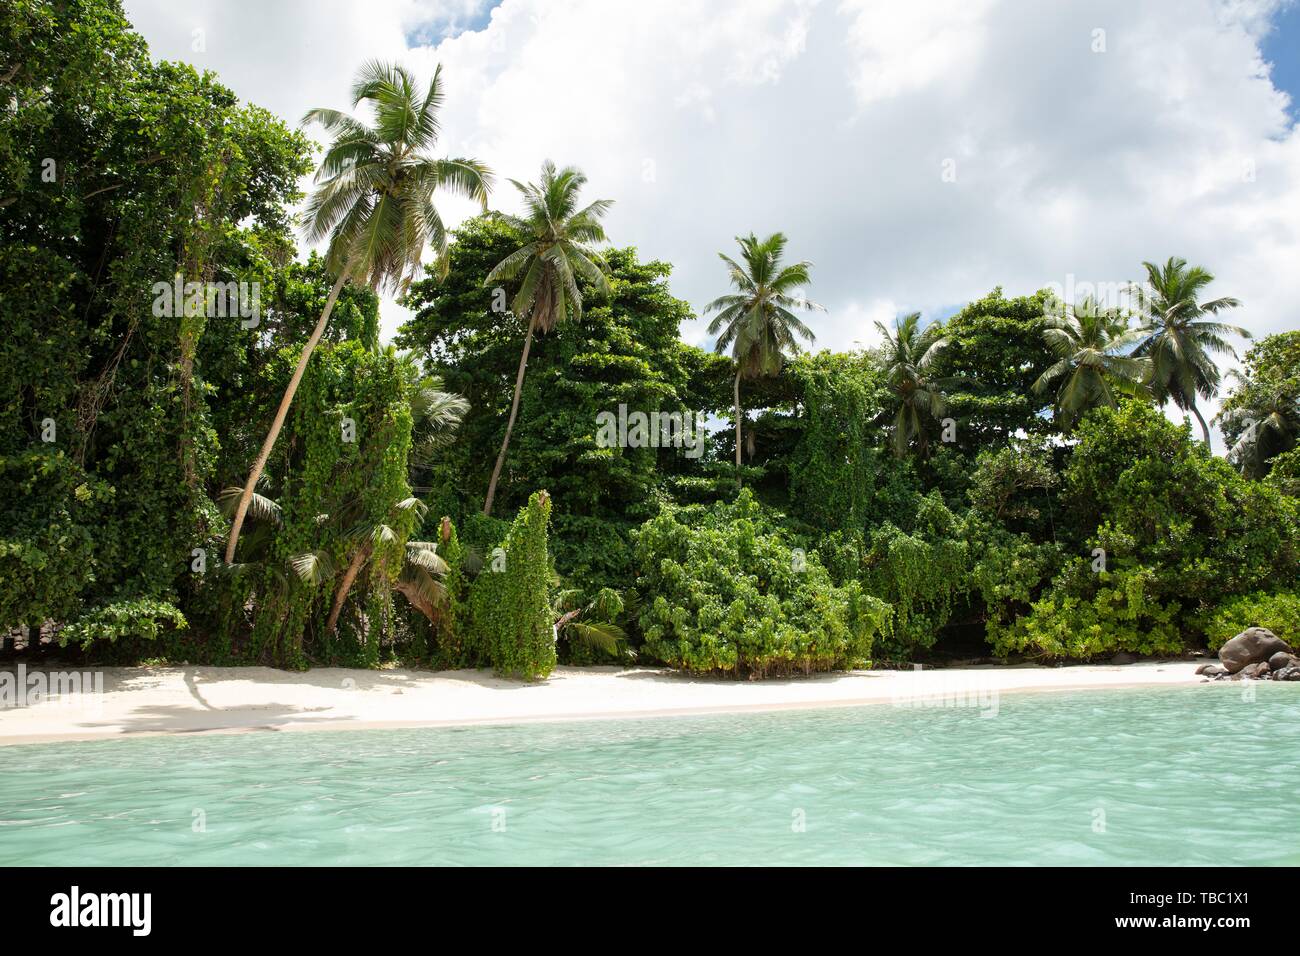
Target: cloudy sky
[{"x": 918, "y": 153}]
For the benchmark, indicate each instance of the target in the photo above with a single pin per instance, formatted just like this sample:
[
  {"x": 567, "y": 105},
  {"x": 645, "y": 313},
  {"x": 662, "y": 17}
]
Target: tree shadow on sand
[{"x": 176, "y": 720}]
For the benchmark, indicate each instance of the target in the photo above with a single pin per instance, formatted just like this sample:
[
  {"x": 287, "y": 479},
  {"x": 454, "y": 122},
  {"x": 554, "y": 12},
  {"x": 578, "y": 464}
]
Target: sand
[{"x": 163, "y": 700}]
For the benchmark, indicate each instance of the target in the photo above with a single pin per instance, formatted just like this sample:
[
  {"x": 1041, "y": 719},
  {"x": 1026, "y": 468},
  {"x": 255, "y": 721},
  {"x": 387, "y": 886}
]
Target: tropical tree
[
  {"x": 374, "y": 201},
  {"x": 557, "y": 251},
  {"x": 1261, "y": 414},
  {"x": 387, "y": 540},
  {"x": 418, "y": 578},
  {"x": 436, "y": 414},
  {"x": 1178, "y": 339},
  {"x": 906, "y": 354},
  {"x": 590, "y": 622},
  {"x": 1093, "y": 367},
  {"x": 756, "y": 320},
  {"x": 1267, "y": 426}
]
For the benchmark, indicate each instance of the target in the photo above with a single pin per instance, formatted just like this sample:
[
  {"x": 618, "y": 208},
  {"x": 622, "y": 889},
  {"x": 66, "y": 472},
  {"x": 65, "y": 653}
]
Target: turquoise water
[{"x": 1189, "y": 775}]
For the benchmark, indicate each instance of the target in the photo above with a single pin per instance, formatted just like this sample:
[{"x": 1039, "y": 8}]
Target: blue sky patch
[
  {"x": 1281, "y": 48},
  {"x": 432, "y": 32}
]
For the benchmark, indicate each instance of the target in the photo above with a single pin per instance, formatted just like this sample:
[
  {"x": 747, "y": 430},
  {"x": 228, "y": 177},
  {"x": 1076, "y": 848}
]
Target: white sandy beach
[{"x": 162, "y": 700}]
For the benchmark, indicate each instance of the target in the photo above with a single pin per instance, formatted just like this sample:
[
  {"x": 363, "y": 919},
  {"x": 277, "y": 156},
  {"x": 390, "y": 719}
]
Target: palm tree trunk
[
  {"x": 510, "y": 425},
  {"x": 737, "y": 391},
  {"x": 1205, "y": 429},
  {"x": 349, "y": 578},
  {"x": 281, "y": 413}
]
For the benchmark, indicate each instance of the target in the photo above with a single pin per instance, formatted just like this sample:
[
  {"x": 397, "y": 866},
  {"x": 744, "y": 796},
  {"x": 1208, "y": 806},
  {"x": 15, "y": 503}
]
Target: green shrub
[
  {"x": 1284, "y": 473},
  {"x": 140, "y": 618},
  {"x": 512, "y": 623},
  {"x": 1181, "y": 533},
  {"x": 726, "y": 594},
  {"x": 1279, "y": 612},
  {"x": 921, "y": 574},
  {"x": 1121, "y": 615},
  {"x": 51, "y": 521}
]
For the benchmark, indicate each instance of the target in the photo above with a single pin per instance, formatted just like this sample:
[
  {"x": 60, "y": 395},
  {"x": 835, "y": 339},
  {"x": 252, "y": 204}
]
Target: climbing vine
[{"x": 510, "y": 607}]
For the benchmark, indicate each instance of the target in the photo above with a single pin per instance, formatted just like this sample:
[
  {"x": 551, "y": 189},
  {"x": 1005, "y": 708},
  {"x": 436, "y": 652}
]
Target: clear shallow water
[{"x": 1189, "y": 775}]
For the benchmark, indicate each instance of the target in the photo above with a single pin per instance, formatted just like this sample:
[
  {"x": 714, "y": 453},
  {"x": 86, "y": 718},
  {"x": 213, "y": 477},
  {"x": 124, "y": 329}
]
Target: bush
[
  {"x": 1279, "y": 612},
  {"x": 144, "y": 618},
  {"x": 1284, "y": 473},
  {"x": 51, "y": 521},
  {"x": 510, "y": 606},
  {"x": 1121, "y": 615},
  {"x": 1180, "y": 534},
  {"x": 921, "y": 574},
  {"x": 725, "y": 594}
]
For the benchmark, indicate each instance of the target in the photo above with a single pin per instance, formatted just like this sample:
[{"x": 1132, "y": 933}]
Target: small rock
[
  {"x": 1255, "y": 671},
  {"x": 1255, "y": 644},
  {"x": 1291, "y": 672},
  {"x": 1282, "y": 659},
  {"x": 1211, "y": 670},
  {"x": 1124, "y": 657}
]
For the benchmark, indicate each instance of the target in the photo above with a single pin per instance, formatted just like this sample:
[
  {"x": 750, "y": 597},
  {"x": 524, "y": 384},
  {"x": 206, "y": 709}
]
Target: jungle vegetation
[{"x": 285, "y": 489}]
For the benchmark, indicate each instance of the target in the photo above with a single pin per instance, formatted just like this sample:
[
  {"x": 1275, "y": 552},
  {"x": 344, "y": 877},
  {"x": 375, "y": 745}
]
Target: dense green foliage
[
  {"x": 1162, "y": 533},
  {"x": 109, "y": 424},
  {"x": 625, "y": 351},
  {"x": 1000, "y": 482},
  {"x": 725, "y": 593},
  {"x": 1261, "y": 419},
  {"x": 510, "y": 611},
  {"x": 1278, "y": 611}
]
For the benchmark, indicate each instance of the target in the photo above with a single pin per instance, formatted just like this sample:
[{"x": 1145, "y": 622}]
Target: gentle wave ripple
[{"x": 1191, "y": 775}]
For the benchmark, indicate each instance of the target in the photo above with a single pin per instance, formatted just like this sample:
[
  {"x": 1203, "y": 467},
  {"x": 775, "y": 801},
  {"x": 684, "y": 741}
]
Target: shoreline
[{"x": 158, "y": 701}]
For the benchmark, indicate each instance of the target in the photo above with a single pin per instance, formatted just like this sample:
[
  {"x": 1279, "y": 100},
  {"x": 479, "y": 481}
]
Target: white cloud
[{"x": 833, "y": 122}]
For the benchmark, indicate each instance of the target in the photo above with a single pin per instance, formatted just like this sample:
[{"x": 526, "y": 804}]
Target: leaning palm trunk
[
  {"x": 1205, "y": 429},
  {"x": 281, "y": 413},
  {"x": 737, "y": 390},
  {"x": 510, "y": 424},
  {"x": 345, "y": 587}
]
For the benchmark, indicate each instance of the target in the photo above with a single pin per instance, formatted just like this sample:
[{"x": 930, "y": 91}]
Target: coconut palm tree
[
  {"x": 756, "y": 320},
  {"x": 383, "y": 539},
  {"x": 590, "y": 622},
  {"x": 435, "y": 413},
  {"x": 1266, "y": 427},
  {"x": 1093, "y": 366},
  {"x": 556, "y": 253},
  {"x": 418, "y": 577},
  {"x": 1179, "y": 340},
  {"x": 374, "y": 201},
  {"x": 905, "y": 355}
]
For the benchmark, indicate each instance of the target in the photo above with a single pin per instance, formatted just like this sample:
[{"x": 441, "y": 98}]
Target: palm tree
[
  {"x": 435, "y": 413},
  {"x": 756, "y": 320},
  {"x": 557, "y": 252},
  {"x": 1268, "y": 426},
  {"x": 366, "y": 540},
  {"x": 1093, "y": 366},
  {"x": 599, "y": 630},
  {"x": 374, "y": 201},
  {"x": 417, "y": 578},
  {"x": 1179, "y": 340},
  {"x": 905, "y": 356}
]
